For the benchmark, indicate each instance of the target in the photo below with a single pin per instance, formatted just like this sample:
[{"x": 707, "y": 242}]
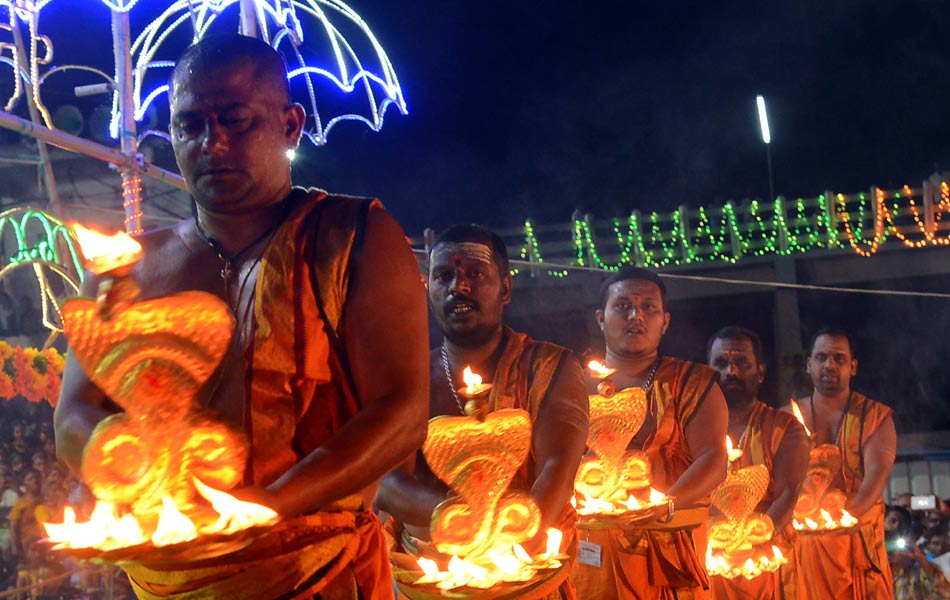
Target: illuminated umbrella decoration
[
  {"x": 321, "y": 40},
  {"x": 296, "y": 28}
]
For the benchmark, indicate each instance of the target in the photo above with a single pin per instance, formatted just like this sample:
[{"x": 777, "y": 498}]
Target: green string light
[
  {"x": 44, "y": 247},
  {"x": 714, "y": 234}
]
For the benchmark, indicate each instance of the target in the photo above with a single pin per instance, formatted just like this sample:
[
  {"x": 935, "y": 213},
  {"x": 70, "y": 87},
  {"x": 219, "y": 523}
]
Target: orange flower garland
[
  {"x": 32, "y": 373},
  {"x": 7, "y": 389}
]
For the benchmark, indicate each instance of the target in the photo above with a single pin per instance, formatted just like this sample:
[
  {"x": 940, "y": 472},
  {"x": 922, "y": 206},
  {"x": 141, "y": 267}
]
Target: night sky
[{"x": 534, "y": 109}]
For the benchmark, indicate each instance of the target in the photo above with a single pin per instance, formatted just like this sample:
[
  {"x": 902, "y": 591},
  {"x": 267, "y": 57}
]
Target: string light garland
[
  {"x": 48, "y": 247},
  {"x": 781, "y": 228},
  {"x": 132, "y": 203}
]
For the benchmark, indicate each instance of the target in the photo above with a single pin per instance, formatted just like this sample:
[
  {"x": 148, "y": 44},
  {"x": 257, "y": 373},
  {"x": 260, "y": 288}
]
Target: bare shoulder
[
  {"x": 383, "y": 231},
  {"x": 167, "y": 263}
]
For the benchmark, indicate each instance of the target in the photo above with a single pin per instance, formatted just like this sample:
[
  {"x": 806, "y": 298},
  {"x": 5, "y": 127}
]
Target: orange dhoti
[
  {"x": 783, "y": 583},
  {"x": 662, "y": 563},
  {"x": 847, "y": 565},
  {"x": 337, "y": 554}
]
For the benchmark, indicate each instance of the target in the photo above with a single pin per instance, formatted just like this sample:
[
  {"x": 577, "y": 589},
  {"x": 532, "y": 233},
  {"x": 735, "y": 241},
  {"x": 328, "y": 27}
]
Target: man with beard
[
  {"x": 469, "y": 286},
  {"x": 683, "y": 435},
  {"x": 848, "y": 564},
  {"x": 768, "y": 437}
]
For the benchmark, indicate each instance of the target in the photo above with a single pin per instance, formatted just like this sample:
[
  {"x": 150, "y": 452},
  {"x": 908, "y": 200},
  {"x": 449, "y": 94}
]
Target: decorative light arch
[
  {"x": 354, "y": 62},
  {"x": 45, "y": 245}
]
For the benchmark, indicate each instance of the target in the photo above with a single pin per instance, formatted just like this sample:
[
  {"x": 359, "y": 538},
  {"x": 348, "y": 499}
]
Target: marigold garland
[
  {"x": 29, "y": 372},
  {"x": 7, "y": 389}
]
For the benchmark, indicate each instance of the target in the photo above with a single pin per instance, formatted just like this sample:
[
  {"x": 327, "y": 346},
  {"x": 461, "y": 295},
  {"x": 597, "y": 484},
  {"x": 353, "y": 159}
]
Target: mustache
[{"x": 733, "y": 382}]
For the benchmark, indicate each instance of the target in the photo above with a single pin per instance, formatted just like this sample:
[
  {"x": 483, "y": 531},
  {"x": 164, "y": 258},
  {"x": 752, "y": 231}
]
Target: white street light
[
  {"x": 763, "y": 119},
  {"x": 767, "y": 138}
]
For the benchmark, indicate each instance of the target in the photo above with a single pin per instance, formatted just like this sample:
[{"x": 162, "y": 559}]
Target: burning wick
[
  {"x": 501, "y": 565},
  {"x": 107, "y": 255},
  {"x": 733, "y": 453},
  {"x": 473, "y": 384},
  {"x": 476, "y": 405},
  {"x": 845, "y": 521},
  {"x": 598, "y": 370},
  {"x": 801, "y": 418},
  {"x": 590, "y": 505}
]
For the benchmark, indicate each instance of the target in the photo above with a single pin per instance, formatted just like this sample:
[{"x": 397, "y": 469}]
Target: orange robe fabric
[
  {"x": 300, "y": 392},
  {"x": 523, "y": 379},
  {"x": 661, "y": 561},
  {"x": 850, "y": 566},
  {"x": 766, "y": 428}
]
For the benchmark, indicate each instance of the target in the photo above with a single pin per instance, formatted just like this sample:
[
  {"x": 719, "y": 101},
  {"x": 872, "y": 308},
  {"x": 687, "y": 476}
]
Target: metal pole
[
  {"x": 87, "y": 147},
  {"x": 249, "y": 18},
  {"x": 768, "y": 158},
  {"x": 128, "y": 142},
  {"x": 49, "y": 178}
]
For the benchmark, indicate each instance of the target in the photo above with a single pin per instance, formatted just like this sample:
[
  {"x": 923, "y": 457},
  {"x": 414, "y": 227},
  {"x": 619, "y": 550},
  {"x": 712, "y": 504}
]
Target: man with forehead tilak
[
  {"x": 766, "y": 436},
  {"x": 326, "y": 369},
  {"x": 469, "y": 286},
  {"x": 683, "y": 435},
  {"x": 852, "y": 563}
]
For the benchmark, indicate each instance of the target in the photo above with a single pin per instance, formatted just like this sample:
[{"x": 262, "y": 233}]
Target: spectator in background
[
  {"x": 5, "y": 540},
  {"x": 39, "y": 567},
  {"x": 938, "y": 549},
  {"x": 9, "y": 491},
  {"x": 40, "y": 463},
  {"x": 19, "y": 443},
  {"x": 932, "y": 519},
  {"x": 23, "y": 523},
  {"x": 915, "y": 577},
  {"x": 903, "y": 500},
  {"x": 50, "y": 508},
  {"x": 17, "y": 465}
]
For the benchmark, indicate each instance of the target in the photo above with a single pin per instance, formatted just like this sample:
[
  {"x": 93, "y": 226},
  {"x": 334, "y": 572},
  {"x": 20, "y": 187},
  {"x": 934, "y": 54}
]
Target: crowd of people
[
  {"x": 35, "y": 489},
  {"x": 918, "y": 548}
]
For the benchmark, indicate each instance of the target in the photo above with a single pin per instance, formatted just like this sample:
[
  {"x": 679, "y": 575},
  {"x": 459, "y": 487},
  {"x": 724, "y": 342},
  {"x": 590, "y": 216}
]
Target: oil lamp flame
[
  {"x": 553, "y": 547},
  {"x": 234, "y": 514},
  {"x": 472, "y": 380},
  {"x": 473, "y": 384},
  {"x": 732, "y": 452},
  {"x": 173, "y": 527},
  {"x": 105, "y": 253},
  {"x": 106, "y": 531},
  {"x": 801, "y": 418},
  {"x": 103, "y": 530},
  {"x": 764, "y": 559},
  {"x": 513, "y": 564},
  {"x": 590, "y": 505},
  {"x": 827, "y": 521},
  {"x": 599, "y": 370}
]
